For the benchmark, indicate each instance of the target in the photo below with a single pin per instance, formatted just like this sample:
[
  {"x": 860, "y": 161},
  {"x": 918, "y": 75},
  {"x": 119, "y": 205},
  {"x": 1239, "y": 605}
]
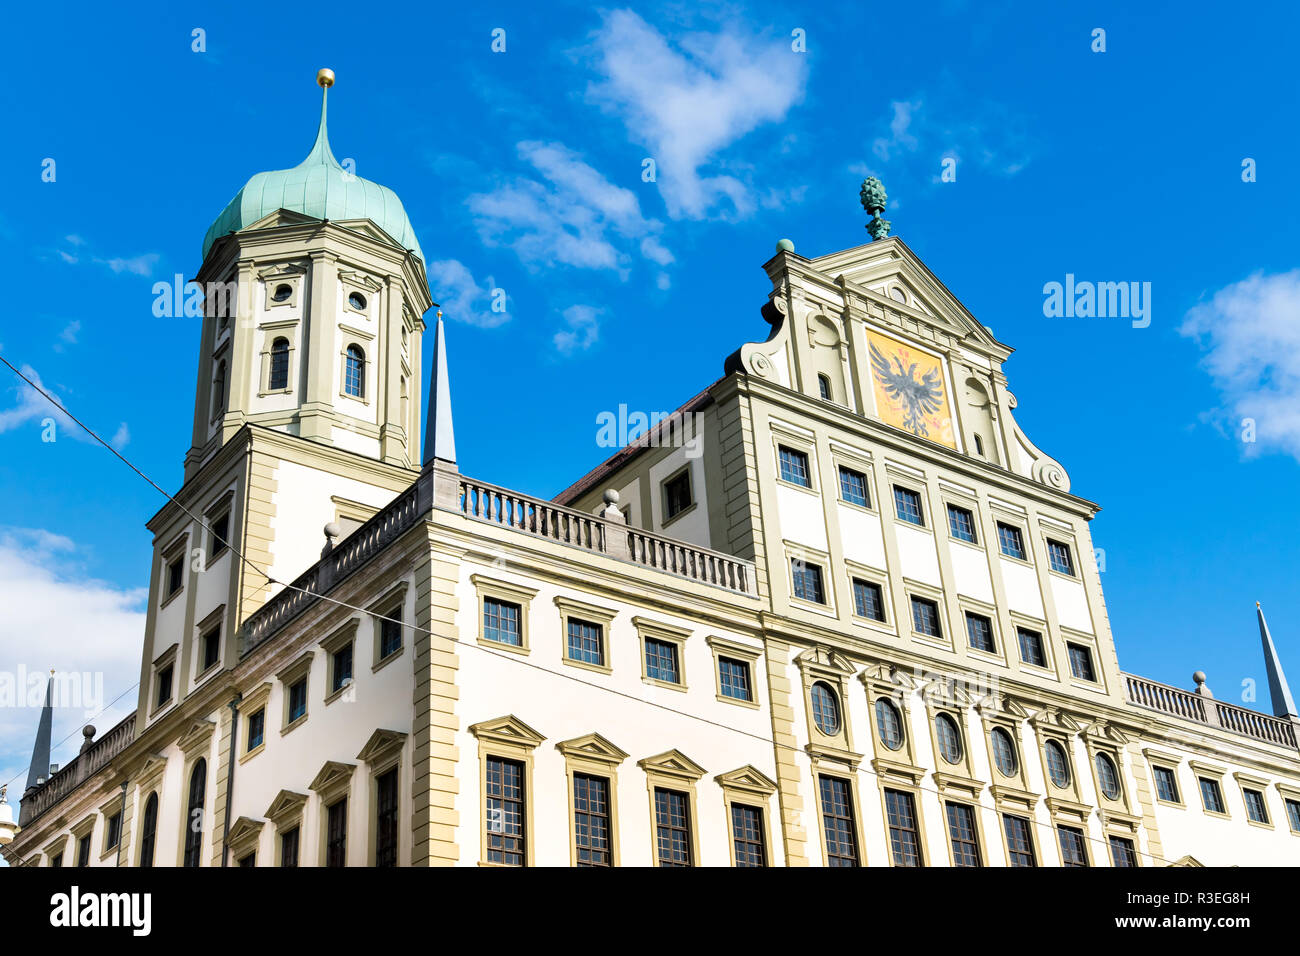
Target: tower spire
[
  {"x": 1283, "y": 703},
  {"x": 39, "y": 768},
  {"x": 320, "y": 154},
  {"x": 439, "y": 437}
]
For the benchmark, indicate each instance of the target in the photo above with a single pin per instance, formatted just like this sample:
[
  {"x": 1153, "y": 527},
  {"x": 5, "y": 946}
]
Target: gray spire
[
  {"x": 439, "y": 438},
  {"x": 39, "y": 768},
  {"x": 1283, "y": 703}
]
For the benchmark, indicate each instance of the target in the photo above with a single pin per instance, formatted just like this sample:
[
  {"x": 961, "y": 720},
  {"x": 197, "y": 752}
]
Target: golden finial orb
[{"x": 325, "y": 77}]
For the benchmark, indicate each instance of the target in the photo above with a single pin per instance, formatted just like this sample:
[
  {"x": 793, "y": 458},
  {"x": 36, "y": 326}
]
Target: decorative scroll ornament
[{"x": 873, "y": 198}]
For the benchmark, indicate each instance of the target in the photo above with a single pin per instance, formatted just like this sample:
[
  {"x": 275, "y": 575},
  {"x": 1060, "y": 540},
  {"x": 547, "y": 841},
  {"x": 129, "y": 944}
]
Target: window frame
[
  {"x": 1073, "y": 572},
  {"x": 951, "y": 508},
  {"x": 841, "y": 470},
  {"x": 581, "y": 612},
  {"x": 343, "y": 639},
  {"x": 921, "y": 522},
  {"x": 1248, "y": 784},
  {"x": 913, "y": 599},
  {"x": 288, "y": 678},
  {"x": 973, "y": 841},
  {"x": 970, "y": 615},
  {"x": 819, "y": 575},
  {"x": 665, "y": 498},
  {"x": 362, "y": 374},
  {"x": 508, "y": 739},
  {"x": 1044, "y": 645},
  {"x": 673, "y": 772},
  {"x": 648, "y": 630},
  {"x": 393, "y": 601},
  {"x": 854, "y": 818},
  {"x": 593, "y": 756},
  {"x": 859, "y": 575},
  {"x": 1075, "y": 831},
  {"x": 741, "y": 654},
  {"x": 1028, "y": 833},
  {"x": 783, "y": 444},
  {"x": 1071, "y": 647},
  {"x": 1005, "y": 522},
  {"x": 917, "y": 828},
  {"x": 507, "y": 592},
  {"x": 164, "y": 664}
]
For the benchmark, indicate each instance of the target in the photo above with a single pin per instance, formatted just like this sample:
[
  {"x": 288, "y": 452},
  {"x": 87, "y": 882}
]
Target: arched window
[
  {"x": 826, "y": 709},
  {"x": 219, "y": 389},
  {"x": 1108, "y": 777},
  {"x": 279, "y": 364},
  {"x": 949, "y": 737},
  {"x": 148, "y": 828},
  {"x": 1004, "y": 753},
  {"x": 889, "y": 723},
  {"x": 824, "y": 386},
  {"x": 1058, "y": 765},
  {"x": 194, "y": 813},
  {"x": 354, "y": 372}
]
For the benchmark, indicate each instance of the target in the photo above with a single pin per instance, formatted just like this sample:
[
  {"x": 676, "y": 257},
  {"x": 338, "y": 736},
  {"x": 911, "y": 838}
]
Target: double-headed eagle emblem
[{"x": 919, "y": 397}]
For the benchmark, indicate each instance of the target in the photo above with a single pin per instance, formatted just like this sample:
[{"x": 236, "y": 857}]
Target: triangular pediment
[
  {"x": 508, "y": 729},
  {"x": 1051, "y": 717},
  {"x": 333, "y": 774},
  {"x": 1187, "y": 860},
  {"x": 882, "y": 672},
  {"x": 748, "y": 778},
  {"x": 381, "y": 744},
  {"x": 825, "y": 658},
  {"x": 196, "y": 735},
  {"x": 673, "y": 763},
  {"x": 593, "y": 747},
  {"x": 286, "y": 803},
  {"x": 245, "y": 828}
]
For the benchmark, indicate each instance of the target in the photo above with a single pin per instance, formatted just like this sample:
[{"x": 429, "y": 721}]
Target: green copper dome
[{"x": 317, "y": 187}]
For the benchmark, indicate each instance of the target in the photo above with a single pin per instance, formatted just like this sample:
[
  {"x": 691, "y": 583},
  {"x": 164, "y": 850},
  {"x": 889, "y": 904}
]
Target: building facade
[{"x": 838, "y": 609}]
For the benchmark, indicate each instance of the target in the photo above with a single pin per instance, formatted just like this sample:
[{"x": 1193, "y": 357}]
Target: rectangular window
[
  {"x": 386, "y": 818},
  {"x": 925, "y": 617},
  {"x": 1122, "y": 852},
  {"x": 57, "y": 861},
  {"x": 341, "y": 667},
  {"x": 164, "y": 685},
  {"x": 1020, "y": 841},
  {"x": 289, "y": 847},
  {"x": 907, "y": 505},
  {"x": 249, "y": 859},
  {"x": 979, "y": 631},
  {"x": 297, "y": 699},
  {"x": 1212, "y": 796},
  {"x": 501, "y": 622},
  {"x": 747, "y": 834},
  {"x": 824, "y": 387},
  {"x": 256, "y": 728},
  {"x": 807, "y": 581},
  {"x": 1059, "y": 557},
  {"x": 1166, "y": 784},
  {"x": 868, "y": 600},
  {"x": 1081, "y": 662},
  {"x": 661, "y": 661},
  {"x": 211, "y": 648},
  {"x": 1031, "y": 647},
  {"x": 733, "y": 678},
  {"x": 677, "y": 494},
  {"x": 837, "y": 820},
  {"x": 672, "y": 827},
  {"x": 83, "y": 851},
  {"x": 794, "y": 466},
  {"x": 390, "y": 633},
  {"x": 336, "y": 834},
  {"x": 961, "y": 524},
  {"x": 1256, "y": 809},
  {"x": 853, "y": 487},
  {"x": 1010, "y": 541},
  {"x": 961, "y": 830},
  {"x": 904, "y": 835},
  {"x": 1073, "y": 850},
  {"x": 113, "y": 831},
  {"x": 175, "y": 576},
  {"x": 505, "y": 812},
  {"x": 1293, "y": 814},
  {"x": 591, "y": 820},
  {"x": 220, "y": 535},
  {"x": 586, "y": 642}
]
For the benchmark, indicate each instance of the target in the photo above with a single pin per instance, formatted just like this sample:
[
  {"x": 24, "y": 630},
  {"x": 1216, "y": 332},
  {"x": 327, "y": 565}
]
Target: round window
[
  {"x": 282, "y": 292},
  {"x": 1108, "y": 777},
  {"x": 949, "y": 738},
  {"x": 1058, "y": 766},
  {"x": 826, "y": 709},
  {"x": 898, "y": 294},
  {"x": 1004, "y": 753},
  {"x": 357, "y": 301},
  {"x": 889, "y": 724}
]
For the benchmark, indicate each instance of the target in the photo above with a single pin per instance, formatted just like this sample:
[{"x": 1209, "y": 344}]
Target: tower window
[
  {"x": 279, "y": 364},
  {"x": 354, "y": 373},
  {"x": 824, "y": 387},
  {"x": 1010, "y": 541},
  {"x": 979, "y": 446},
  {"x": 219, "y": 390},
  {"x": 282, "y": 292},
  {"x": 357, "y": 301},
  {"x": 807, "y": 581},
  {"x": 853, "y": 487},
  {"x": 794, "y": 466},
  {"x": 907, "y": 505}
]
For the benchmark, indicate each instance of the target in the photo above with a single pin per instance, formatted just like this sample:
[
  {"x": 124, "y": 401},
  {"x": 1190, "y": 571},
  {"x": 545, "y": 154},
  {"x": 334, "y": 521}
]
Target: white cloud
[
  {"x": 121, "y": 437},
  {"x": 68, "y": 336},
  {"x": 987, "y": 135},
  {"x": 574, "y": 216},
  {"x": 89, "y": 631},
  {"x": 137, "y": 265},
  {"x": 461, "y": 298},
  {"x": 688, "y": 104},
  {"x": 583, "y": 330},
  {"x": 33, "y": 407},
  {"x": 1250, "y": 331},
  {"x": 900, "y": 136}
]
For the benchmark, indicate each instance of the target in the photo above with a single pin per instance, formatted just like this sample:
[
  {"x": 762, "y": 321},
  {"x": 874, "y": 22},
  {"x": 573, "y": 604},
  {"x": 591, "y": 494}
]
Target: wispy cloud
[
  {"x": 687, "y": 103},
  {"x": 582, "y": 332},
  {"x": 1250, "y": 331},
  {"x": 137, "y": 265},
  {"x": 573, "y": 216},
  {"x": 944, "y": 124},
  {"x": 68, "y": 336},
  {"x": 120, "y": 437},
  {"x": 464, "y": 300},
  {"x": 32, "y": 408}
]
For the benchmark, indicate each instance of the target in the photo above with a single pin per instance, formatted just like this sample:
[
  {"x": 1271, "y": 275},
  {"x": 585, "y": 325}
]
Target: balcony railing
[
  {"x": 1208, "y": 711},
  {"x": 608, "y": 536},
  {"x": 84, "y": 765}
]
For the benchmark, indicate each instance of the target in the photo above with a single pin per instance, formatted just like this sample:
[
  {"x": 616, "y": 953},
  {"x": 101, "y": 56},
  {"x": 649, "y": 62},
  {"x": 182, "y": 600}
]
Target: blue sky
[{"x": 522, "y": 171}]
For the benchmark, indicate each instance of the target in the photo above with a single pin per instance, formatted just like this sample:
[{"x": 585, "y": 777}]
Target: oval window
[
  {"x": 1108, "y": 777},
  {"x": 889, "y": 724},
  {"x": 826, "y": 709},
  {"x": 357, "y": 301},
  {"x": 1004, "y": 753},
  {"x": 1058, "y": 765},
  {"x": 949, "y": 738},
  {"x": 282, "y": 292}
]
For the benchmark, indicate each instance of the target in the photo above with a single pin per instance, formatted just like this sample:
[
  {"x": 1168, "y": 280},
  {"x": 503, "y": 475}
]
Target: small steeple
[
  {"x": 1283, "y": 703},
  {"x": 439, "y": 438},
  {"x": 39, "y": 768},
  {"x": 321, "y": 154}
]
